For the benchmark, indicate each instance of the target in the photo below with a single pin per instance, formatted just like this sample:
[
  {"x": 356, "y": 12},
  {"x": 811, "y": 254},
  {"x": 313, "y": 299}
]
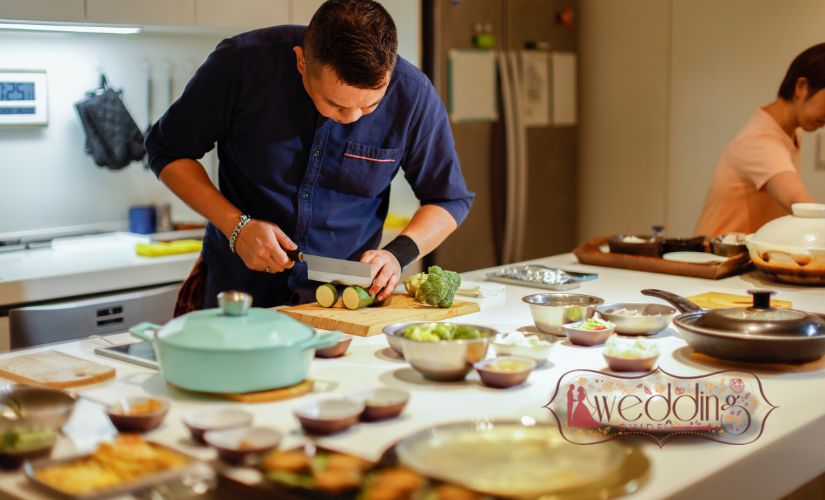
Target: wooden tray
[
  {"x": 266, "y": 396},
  {"x": 590, "y": 253},
  {"x": 370, "y": 320}
]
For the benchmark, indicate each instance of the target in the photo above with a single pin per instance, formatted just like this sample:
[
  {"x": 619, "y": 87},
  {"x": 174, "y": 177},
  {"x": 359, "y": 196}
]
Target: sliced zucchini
[
  {"x": 356, "y": 297},
  {"x": 326, "y": 295}
]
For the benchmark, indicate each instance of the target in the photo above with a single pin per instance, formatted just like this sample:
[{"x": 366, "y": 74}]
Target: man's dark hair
[
  {"x": 810, "y": 65},
  {"x": 355, "y": 38}
]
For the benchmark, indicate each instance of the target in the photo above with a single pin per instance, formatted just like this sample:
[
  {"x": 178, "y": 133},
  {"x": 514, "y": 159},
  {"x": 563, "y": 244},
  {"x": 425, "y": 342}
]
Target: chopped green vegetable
[
  {"x": 436, "y": 287},
  {"x": 435, "y": 332},
  {"x": 356, "y": 297},
  {"x": 467, "y": 332},
  {"x": 326, "y": 295},
  {"x": 20, "y": 440},
  {"x": 593, "y": 324}
]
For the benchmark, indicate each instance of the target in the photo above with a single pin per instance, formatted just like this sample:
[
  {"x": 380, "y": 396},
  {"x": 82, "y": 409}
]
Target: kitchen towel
[{"x": 113, "y": 139}]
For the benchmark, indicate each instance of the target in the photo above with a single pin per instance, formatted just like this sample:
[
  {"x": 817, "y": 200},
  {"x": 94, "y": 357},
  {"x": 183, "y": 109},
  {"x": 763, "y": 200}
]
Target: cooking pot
[
  {"x": 792, "y": 248},
  {"x": 234, "y": 348},
  {"x": 758, "y": 334}
]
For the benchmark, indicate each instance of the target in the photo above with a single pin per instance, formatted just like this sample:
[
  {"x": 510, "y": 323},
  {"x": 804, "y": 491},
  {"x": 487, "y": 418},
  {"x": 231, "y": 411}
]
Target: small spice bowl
[
  {"x": 504, "y": 371},
  {"x": 244, "y": 444},
  {"x": 335, "y": 350},
  {"x": 329, "y": 416},
  {"x": 589, "y": 332},
  {"x": 213, "y": 420},
  {"x": 618, "y": 364},
  {"x": 138, "y": 414},
  {"x": 381, "y": 403}
]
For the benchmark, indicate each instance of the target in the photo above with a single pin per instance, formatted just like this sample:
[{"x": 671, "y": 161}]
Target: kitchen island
[{"x": 788, "y": 454}]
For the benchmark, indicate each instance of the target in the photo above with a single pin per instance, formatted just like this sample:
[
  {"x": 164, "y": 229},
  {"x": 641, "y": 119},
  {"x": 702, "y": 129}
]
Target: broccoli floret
[
  {"x": 439, "y": 288},
  {"x": 467, "y": 332},
  {"x": 413, "y": 283},
  {"x": 444, "y": 331}
]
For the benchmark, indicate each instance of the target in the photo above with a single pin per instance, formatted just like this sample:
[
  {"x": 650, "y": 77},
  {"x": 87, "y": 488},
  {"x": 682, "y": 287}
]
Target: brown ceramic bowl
[
  {"x": 504, "y": 371},
  {"x": 381, "y": 403},
  {"x": 694, "y": 244},
  {"x": 135, "y": 415},
  {"x": 650, "y": 247},
  {"x": 618, "y": 364},
  {"x": 212, "y": 420},
  {"x": 587, "y": 337},
  {"x": 14, "y": 459},
  {"x": 329, "y": 416},
  {"x": 335, "y": 351},
  {"x": 243, "y": 444},
  {"x": 734, "y": 245}
]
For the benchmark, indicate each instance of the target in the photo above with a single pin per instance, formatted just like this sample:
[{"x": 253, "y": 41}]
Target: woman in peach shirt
[{"x": 757, "y": 177}]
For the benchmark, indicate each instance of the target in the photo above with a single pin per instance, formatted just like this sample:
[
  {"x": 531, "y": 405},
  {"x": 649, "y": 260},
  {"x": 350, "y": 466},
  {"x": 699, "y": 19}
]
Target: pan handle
[{"x": 679, "y": 302}]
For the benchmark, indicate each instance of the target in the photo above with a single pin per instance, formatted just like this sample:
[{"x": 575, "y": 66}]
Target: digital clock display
[{"x": 16, "y": 91}]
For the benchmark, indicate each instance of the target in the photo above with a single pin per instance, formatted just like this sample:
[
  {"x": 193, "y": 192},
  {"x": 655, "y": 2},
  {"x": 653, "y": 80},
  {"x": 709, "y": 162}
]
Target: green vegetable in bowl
[
  {"x": 434, "y": 332},
  {"x": 21, "y": 440},
  {"x": 593, "y": 324},
  {"x": 467, "y": 332},
  {"x": 436, "y": 287}
]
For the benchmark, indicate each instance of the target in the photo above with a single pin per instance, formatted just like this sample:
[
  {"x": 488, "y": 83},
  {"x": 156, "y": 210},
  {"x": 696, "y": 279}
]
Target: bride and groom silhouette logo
[{"x": 578, "y": 414}]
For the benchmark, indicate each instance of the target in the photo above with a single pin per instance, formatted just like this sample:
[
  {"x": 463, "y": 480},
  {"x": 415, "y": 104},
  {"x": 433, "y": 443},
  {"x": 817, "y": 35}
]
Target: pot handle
[
  {"x": 321, "y": 340},
  {"x": 680, "y": 303},
  {"x": 140, "y": 331}
]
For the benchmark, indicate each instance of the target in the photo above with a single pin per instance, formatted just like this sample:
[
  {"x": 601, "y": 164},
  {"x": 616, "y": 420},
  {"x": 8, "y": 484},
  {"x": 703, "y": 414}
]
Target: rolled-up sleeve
[
  {"x": 431, "y": 163},
  {"x": 203, "y": 113}
]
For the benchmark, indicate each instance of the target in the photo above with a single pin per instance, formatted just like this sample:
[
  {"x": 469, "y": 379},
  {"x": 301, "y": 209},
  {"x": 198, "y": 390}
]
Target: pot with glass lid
[
  {"x": 757, "y": 334},
  {"x": 234, "y": 348}
]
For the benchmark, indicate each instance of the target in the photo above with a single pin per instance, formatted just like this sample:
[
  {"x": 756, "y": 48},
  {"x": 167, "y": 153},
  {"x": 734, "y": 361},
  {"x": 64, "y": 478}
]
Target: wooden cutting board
[
  {"x": 370, "y": 320},
  {"x": 54, "y": 369},
  {"x": 267, "y": 396}
]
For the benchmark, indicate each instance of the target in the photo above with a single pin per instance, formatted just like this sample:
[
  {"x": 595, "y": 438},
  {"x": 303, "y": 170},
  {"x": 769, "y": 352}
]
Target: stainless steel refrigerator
[{"x": 524, "y": 177}]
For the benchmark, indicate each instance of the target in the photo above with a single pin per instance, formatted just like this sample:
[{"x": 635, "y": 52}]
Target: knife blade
[{"x": 329, "y": 270}]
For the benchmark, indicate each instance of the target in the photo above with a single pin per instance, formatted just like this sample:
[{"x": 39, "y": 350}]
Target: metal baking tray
[
  {"x": 521, "y": 275},
  {"x": 191, "y": 473}
]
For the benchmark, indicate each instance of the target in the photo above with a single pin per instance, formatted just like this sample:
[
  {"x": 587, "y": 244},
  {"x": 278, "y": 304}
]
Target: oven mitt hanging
[{"x": 113, "y": 139}]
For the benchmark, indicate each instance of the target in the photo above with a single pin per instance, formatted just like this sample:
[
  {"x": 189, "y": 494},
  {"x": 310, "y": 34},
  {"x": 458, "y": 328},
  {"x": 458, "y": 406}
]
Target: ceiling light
[{"x": 116, "y": 30}]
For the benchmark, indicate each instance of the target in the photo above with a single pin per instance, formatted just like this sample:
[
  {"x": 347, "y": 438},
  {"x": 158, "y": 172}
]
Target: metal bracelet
[{"x": 243, "y": 222}]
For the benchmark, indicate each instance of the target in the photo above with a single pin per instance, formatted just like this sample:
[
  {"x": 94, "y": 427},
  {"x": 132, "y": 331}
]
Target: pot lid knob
[
  {"x": 234, "y": 303},
  {"x": 761, "y": 298}
]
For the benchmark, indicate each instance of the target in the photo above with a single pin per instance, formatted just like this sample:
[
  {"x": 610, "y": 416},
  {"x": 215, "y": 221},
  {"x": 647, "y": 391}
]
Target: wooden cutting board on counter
[
  {"x": 54, "y": 369},
  {"x": 371, "y": 320}
]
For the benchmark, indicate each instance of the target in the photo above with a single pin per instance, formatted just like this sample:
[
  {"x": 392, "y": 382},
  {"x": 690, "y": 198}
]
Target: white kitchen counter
[{"x": 789, "y": 453}]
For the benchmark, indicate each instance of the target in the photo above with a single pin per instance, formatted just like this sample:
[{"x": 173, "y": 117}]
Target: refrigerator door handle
[
  {"x": 510, "y": 210},
  {"x": 520, "y": 130}
]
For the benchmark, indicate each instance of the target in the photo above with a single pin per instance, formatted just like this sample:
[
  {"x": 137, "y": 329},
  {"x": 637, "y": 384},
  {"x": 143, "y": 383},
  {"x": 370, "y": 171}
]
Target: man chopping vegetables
[{"x": 312, "y": 123}]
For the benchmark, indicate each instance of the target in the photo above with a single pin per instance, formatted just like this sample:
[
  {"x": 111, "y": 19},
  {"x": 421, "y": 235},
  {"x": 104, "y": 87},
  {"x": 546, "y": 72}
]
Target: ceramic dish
[
  {"x": 329, "y": 416},
  {"x": 138, "y": 414},
  {"x": 19, "y": 446},
  {"x": 584, "y": 334},
  {"x": 525, "y": 346},
  {"x": 618, "y": 364},
  {"x": 381, "y": 403},
  {"x": 635, "y": 244},
  {"x": 213, "y": 420},
  {"x": 337, "y": 350},
  {"x": 694, "y": 244},
  {"x": 243, "y": 445},
  {"x": 729, "y": 244},
  {"x": 504, "y": 371},
  {"x": 694, "y": 257}
]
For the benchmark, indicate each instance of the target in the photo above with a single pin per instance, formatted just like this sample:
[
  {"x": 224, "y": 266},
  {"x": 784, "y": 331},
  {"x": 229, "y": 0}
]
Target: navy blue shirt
[{"x": 326, "y": 184}]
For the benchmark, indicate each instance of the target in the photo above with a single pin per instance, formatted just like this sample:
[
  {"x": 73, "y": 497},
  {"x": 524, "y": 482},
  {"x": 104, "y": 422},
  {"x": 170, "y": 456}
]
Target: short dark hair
[
  {"x": 810, "y": 65},
  {"x": 355, "y": 38}
]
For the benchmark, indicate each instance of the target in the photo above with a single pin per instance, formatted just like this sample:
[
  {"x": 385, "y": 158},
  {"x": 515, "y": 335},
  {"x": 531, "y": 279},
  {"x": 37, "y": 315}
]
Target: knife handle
[{"x": 296, "y": 255}]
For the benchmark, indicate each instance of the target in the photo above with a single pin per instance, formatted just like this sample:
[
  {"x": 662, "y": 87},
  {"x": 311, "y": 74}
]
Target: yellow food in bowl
[{"x": 506, "y": 366}]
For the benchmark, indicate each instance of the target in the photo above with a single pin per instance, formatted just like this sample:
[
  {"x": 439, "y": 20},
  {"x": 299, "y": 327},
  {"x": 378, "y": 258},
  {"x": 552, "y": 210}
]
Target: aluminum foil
[{"x": 534, "y": 275}]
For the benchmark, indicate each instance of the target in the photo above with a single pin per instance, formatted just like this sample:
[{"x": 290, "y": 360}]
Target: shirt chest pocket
[{"x": 366, "y": 170}]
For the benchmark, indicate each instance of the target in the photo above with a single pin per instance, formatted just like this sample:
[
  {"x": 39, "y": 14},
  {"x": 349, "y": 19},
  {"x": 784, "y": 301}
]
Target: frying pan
[{"x": 756, "y": 334}]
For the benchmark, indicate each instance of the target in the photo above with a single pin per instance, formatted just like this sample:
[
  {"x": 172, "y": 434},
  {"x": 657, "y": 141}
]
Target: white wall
[
  {"x": 46, "y": 178},
  {"x": 665, "y": 85}
]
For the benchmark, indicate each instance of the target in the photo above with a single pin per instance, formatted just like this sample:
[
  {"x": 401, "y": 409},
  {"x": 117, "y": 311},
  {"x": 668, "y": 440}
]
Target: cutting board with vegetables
[
  {"x": 54, "y": 369},
  {"x": 371, "y": 320}
]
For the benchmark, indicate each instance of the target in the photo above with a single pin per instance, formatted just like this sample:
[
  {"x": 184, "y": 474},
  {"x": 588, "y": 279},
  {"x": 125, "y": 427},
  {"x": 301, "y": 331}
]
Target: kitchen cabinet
[
  {"x": 42, "y": 10},
  {"x": 156, "y": 12},
  {"x": 301, "y": 11},
  {"x": 244, "y": 14}
]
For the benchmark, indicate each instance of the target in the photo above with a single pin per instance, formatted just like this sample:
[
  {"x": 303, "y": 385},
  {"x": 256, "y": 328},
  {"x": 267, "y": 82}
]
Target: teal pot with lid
[{"x": 234, "y": 348}]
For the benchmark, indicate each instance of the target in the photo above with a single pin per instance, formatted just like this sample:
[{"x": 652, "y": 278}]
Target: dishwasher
[{"x": 99, "y": 314}]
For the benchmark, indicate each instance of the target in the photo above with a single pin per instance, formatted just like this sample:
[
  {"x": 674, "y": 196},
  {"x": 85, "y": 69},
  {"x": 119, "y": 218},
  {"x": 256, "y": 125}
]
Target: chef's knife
[{"x": 328, "y": 270}]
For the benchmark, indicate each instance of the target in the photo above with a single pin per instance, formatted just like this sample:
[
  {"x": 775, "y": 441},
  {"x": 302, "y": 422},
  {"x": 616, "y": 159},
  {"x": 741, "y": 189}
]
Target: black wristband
[{"x": 404, "y": 249}]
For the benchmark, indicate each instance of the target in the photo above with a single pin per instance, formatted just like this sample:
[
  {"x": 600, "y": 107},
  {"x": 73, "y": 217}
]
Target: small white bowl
[
  {"x": 240, "y": 445},
  {"x": 538, "y": 353},
  {"x": 212, "y": 420}
]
